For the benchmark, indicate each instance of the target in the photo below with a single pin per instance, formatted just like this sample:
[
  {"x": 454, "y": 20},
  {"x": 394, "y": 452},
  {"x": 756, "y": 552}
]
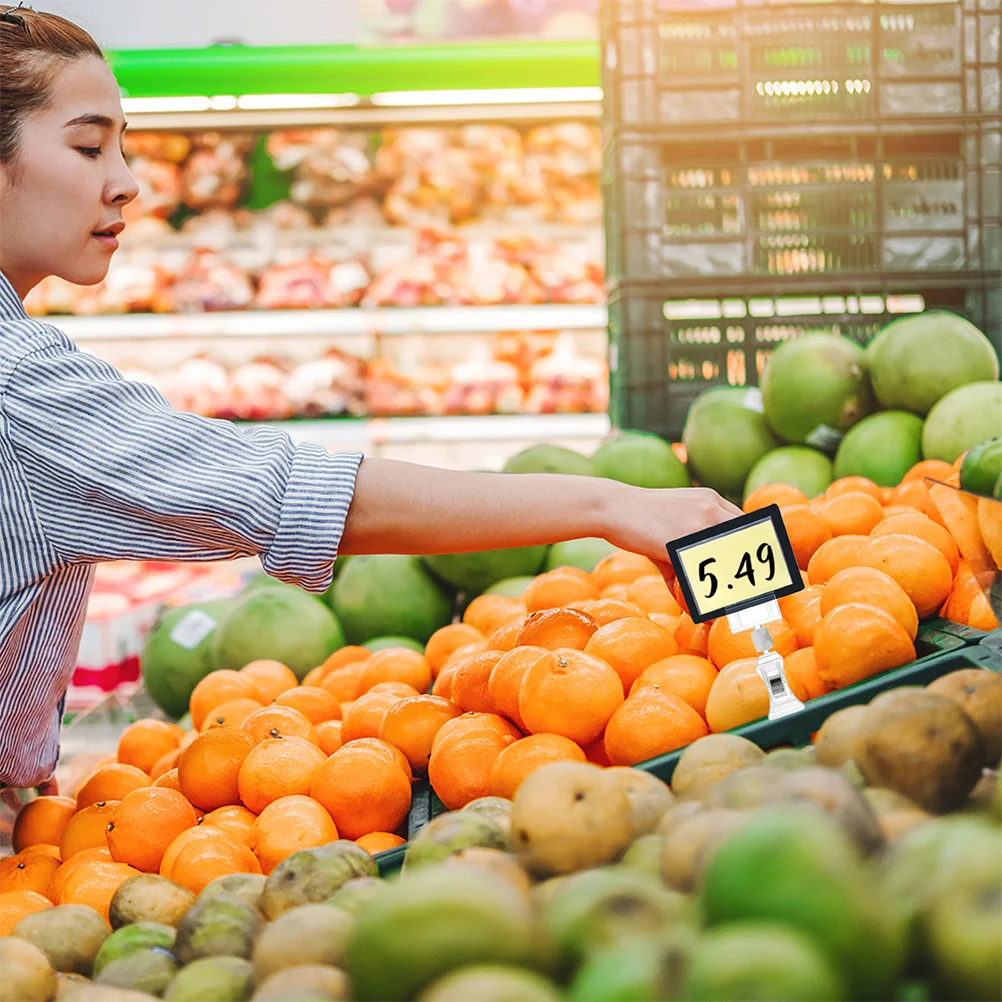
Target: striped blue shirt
[{"x": 93, "y": 468}]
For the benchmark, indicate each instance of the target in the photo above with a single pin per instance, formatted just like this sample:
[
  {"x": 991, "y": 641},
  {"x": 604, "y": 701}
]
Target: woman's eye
[{"x": 90, "y": 151}]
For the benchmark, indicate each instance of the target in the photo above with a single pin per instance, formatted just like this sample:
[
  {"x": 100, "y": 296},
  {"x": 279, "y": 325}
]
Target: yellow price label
[{"x": 736, "y": 564}]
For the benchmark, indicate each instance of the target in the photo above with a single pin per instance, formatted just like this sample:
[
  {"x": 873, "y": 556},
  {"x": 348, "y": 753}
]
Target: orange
[
  {"x": 555, "y": 628},
  {"x": 608, "y": 610},
  {"x": 801, "y": 668},
  {"x": 910, "y": 494},
  {"x": 389, "y": 751},
  {"x": 807, "y": 532},
  {"x": 411, "y": 725},
  {"x": 278, "y": 767},
  {"x": 666, "y": 622},
  {"x": 981, "y": 616},
  {"x": 199, "y": 863},
  {"x": 651, "y": 723},
  {"x": 217, "y": 688},
  {"x": 557, "y": 589},
  {"x": 505, "y": 684},
  {"x": 232, "y": 713},
  {"x": 738, "y": 696},
  {"x": 463, "y": 754},
  {"x": 630, "y": 646},
  {"x": 28, "y": 871},
  {"x": 397, "y": 664},
  {"x": 616, "y": 592},
  {"x": 857, "y": 641},
  {"x": 777, "y": 494},
  {"x": 596, "y": 754},
  {"x": 14, "y": 905},
  {"x": 344, "y": 656},
  {"x": 329, "y": 736},
  {"x": 505, "y": 637},
  {"x": 692, "y": 638},
  {"x": 144, "y": 825},
  {"x": 94, "y": 884},
  {"x": 47, "y": 850},
  {"x": 168, "y": 781},
  {"x": 201, "y": 833},
  {"x": 847, "y": 485},
  {"x": 208, "y": 768},
  {"x": 68, "y": 866},
  {"x": 525, "y": 756},
  {"x": 916, "y": 565},
  {"x": 802, "y": 610},
  {"x": 676, "y": 591},
  {"x": 443, "y": 643},
  {"x": 363, "y": 790},
  {"x": 835, "y": 555},
  {"x": 724, "y": 647},
  {"x": 928, "y": 469},
  {"x": 143, "y": 742},
  {"x": 377, "y": 842},
  {"x": 42, "y": 821},
  {"x": 622, "y": 568},
  {"x": 868, "y": 586},
  {"x": 164, "y": 764},
  {"x": 958, "y": 513},
  {"x": 88, "y": 828},
  {"x": 287, "y": 825},
  {"x": 443, "y": 684},
  {"x": 488, "y": 613},
  {"x": 280, "y": 722},
  {"x": 399, "y": 689},
  {"x": 652, "y": 595},
  {"x": 189, "y": 737},
  {"x": 314, "y": 703},
  {"x": 111, "y": 782},
  {"x": 965, "y": 593},
  {"x": 853, "y": 513},
  {"x": 343, "y": 683},
  {"x": 366, "y": 715},
  {"x": 234, "y": 819},
  {"x": 270, "y": 678},
  {"x": 917, "y": 524},
  {"x": 573, "y": 693},
  {"x": 687, "y": 676}
]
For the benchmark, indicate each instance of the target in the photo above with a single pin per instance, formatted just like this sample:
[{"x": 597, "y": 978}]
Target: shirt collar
[{"x": 11, "y": 307}]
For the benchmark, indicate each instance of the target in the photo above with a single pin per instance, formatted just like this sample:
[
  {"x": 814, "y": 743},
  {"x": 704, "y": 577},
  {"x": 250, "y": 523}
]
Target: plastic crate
[
  {"x": 671, "y": 62},
  {"x": 669, "y": 342},
  {"x": 795, "y": 204},
  {"x": 943, "y": 647}
]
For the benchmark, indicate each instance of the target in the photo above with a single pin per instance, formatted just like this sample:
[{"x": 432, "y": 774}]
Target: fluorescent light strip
[
  {"x": 288, "y": 102},
  {"x": 508, "y": 95},
  {"x": 164, "y": 105}
]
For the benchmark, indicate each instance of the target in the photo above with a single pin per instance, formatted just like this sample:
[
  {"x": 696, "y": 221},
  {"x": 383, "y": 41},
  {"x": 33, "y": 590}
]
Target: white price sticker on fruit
[{"x": 192, "y": 629}]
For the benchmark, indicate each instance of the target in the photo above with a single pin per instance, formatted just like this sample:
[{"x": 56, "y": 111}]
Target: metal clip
[{"x": 11, "y": 17}]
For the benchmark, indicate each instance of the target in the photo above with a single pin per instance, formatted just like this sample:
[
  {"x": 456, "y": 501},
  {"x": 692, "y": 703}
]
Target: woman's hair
[{"x": 33, "y": 46}]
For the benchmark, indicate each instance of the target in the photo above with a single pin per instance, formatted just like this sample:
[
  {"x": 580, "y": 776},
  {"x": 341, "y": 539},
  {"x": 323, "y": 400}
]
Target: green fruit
[
  {"x": 356, "y": 894},
  {"x": 222, "y": 979},
  {"x": 178, "y": 653},
  {"x": 636, "y": 970},
  {"x": 805, "y": 468},
  {"x": 645, "y": 855},
  {"x": 474, "y": 572},
  {"x": 389, "y": 595},
  {"x": 245, "y": 887},
  {"x": 434, "y": 922},
  {"x": 307, "y": 983},
  {"x": 725, "y": 434},
  {"x": 449, "y": 833},
  {"x": 313, "y": 875},
  {"x": 388, "y": 643},
  {"x": 795, "y": 866},
  {"x": 69, "y": 935},
  {"x": 150, "y": 971},
  {"x": 27, "y": 974},
  {"x": 309, "y": 934},
  {"x": 582, "y": 553},
  {"x": 549, "y": 459},
  {"x": 916, "y": 360},
  {"x": 962, "y": 419},
  {"x": 149, "y": 898},
  {"x": 640, "y": 459},
  {"x": 491, "y": 983},
  {"x": 771, "y": 963},
  {"x": 130, "y": 939},
  {"x": 882, "y": 447},
  {"x": 512, "y": 587},
  {"x": 982, "y": 467},
  {"x": 997, "y": 492},
  {"x": 219, "y": 927},
  {"x": 280, "y": 623},
  {"x": 815, "y": 388}
]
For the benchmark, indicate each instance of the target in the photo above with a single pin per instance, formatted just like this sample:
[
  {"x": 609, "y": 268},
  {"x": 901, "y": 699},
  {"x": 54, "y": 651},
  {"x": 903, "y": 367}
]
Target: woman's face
[{"x": 61, "y": 201}]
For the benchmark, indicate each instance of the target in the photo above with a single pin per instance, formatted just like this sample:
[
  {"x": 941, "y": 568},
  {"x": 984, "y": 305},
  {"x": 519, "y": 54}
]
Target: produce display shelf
[
  {"x": 944, "y": 647},
  {"x": 381, "y": 321}
]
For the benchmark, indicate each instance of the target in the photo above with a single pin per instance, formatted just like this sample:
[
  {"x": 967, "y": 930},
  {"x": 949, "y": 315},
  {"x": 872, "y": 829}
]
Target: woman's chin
[{"x": 85, "y": 273}]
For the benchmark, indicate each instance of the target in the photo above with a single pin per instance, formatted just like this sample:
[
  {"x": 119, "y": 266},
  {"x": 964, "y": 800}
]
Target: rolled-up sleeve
[{"x": 115, "y": 473}]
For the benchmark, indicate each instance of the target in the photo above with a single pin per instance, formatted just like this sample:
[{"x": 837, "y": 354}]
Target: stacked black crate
[{"x": 774, "y": 169}]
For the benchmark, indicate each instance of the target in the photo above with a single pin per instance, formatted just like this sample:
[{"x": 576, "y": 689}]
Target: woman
[{"x": 95, "y": 468}]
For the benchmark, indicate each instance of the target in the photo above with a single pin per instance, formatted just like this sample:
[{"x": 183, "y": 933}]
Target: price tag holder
[{"x": 740, "y": 569}]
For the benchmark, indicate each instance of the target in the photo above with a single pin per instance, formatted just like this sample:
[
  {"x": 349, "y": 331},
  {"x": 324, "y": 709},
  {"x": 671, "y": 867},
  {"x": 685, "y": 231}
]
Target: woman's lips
[{"x": 107, "y": 240}]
